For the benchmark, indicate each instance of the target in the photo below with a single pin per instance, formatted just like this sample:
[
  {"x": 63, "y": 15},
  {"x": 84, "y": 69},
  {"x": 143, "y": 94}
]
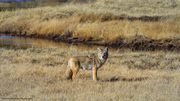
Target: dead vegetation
[
  {"x": 100, "y": 21},
  {"x": 38, "y": 74}
]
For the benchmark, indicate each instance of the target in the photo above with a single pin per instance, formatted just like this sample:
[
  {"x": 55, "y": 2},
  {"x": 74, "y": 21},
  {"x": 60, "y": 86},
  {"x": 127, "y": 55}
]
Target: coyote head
[{"x": 102, "y": 53}]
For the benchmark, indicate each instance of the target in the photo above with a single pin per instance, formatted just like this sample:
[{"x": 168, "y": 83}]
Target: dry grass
[
  {"x": 38, "y": 73},
  {"x": 98, "y": 20}
]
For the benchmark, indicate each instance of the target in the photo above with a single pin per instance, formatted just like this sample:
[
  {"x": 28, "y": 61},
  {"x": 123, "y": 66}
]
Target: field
[
  {"x": 143, "y": 37},
  {"x": 39, "y": 74},
  {"x": 99, "y": 22}
]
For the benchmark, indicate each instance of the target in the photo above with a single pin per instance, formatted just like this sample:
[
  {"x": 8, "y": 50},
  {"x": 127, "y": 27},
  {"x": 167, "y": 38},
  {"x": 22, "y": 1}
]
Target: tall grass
[{"x": 101, "y": 20}]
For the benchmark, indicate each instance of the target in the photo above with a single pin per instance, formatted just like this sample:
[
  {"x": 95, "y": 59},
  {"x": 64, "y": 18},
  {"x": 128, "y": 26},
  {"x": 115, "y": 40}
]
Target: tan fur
[{"x": 92, "y": 62}]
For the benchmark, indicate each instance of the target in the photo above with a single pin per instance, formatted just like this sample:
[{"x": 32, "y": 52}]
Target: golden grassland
[
  {"x": 39, "y": 73},
  {"x": 99, "y": 20}
]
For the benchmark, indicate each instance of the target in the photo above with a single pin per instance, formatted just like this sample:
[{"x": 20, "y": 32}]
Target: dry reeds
[{"x": 100, "y": 20}]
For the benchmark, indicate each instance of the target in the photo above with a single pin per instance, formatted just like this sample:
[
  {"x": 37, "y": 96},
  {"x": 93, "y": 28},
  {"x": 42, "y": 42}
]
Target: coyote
[{"x": 92, "y": 62}]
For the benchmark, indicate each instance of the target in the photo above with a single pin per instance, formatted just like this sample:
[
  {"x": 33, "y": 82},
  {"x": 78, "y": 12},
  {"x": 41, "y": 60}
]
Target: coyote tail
[{"x": 69, "y": 74}]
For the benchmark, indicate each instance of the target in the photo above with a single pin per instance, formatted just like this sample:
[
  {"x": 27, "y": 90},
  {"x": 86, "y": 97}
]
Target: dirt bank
[{"x": 136, "y": 43}]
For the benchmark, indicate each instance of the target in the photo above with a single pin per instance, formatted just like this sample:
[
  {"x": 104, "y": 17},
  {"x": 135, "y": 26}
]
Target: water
[
  {"x": 4, "y": 37},
  {"x": 24, "y": 43}
]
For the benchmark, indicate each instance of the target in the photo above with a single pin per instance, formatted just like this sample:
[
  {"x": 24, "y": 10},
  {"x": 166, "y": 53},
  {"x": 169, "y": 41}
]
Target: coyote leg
[
  {"x": 94, "y": 73},
  {"x": 75, "y": 71}
]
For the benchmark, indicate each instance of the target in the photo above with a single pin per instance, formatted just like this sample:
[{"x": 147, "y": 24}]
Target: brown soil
[{"x": 139, "y": 43}]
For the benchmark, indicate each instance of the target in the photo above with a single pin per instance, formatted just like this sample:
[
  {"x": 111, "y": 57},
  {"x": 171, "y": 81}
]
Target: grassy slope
[
  {"x": 129, "y": 76},
  {"x": 98, "y": 20}
]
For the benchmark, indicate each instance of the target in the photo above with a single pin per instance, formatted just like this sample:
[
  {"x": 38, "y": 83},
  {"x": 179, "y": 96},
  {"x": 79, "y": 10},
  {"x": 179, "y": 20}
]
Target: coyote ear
[{"x": 106, "y": 49}]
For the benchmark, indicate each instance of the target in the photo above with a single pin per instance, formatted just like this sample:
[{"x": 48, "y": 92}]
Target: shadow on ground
[{"x": 120, "y": 78}]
